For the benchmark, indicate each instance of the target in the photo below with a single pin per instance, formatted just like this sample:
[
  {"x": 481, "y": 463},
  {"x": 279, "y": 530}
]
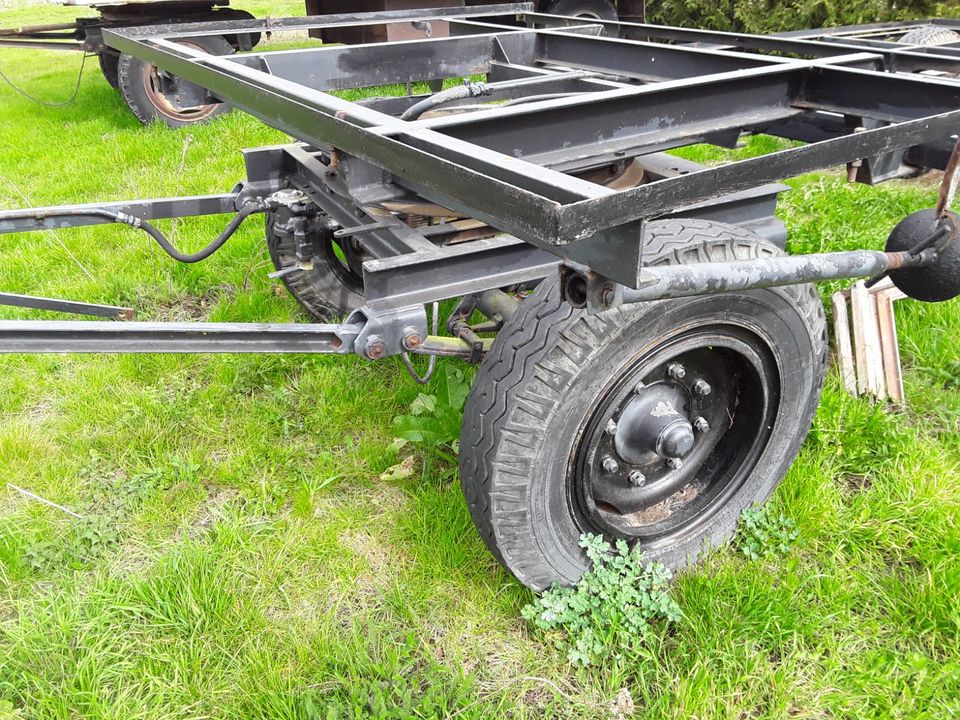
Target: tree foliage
[{"x": 766, "y": 16}]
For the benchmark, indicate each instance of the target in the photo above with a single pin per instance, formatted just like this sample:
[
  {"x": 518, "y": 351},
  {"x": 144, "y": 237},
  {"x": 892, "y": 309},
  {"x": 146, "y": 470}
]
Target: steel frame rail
[
  {"x": 580, "y": 96},
  {"x": 497, "y": 164}
]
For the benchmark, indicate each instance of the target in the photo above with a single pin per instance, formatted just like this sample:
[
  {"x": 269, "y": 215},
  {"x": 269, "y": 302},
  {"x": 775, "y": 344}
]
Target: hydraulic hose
[
  {"x": 460, "y": 92},
  {"x": 126, "y": 219}
]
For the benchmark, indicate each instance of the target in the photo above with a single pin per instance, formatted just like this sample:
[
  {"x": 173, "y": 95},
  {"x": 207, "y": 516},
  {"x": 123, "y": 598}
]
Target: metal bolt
[
  {"x": 611, "y": 465},
  {"x": 675, "y": 463},
  {"x": 639, "y": 388},
  {"x": 375, "y": 349},
  {"x": 611, "y": 427},
  {"x": 637, "y": 478},
  {"x": 411, "y": 338},
  {"x": 676, "y": 371},
  {"x": 700, "y": 424},
  {"x": 702, "y": 387},
  {"x": 608, "y": 296}
]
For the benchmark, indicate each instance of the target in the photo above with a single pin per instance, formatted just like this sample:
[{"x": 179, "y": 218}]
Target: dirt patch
[
  {"x": 211, "y": 511},
  {"x": 855, "y": 483},
  {"x": 185, "y": 308},
  {"x": 380, "y": 559},
  {"x": 666, "y": 507},
  {"x": 131, "y": 559},
  {"x": 38, "y": 414}
]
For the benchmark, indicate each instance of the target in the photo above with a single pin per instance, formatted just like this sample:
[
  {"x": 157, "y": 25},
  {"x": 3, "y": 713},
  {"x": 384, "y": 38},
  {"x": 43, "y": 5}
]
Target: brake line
[{"x": 123, "y": 218}]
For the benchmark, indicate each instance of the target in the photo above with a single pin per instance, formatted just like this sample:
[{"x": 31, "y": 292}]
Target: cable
[
  {"x": 126, "y": 219},
  {"x": 432, "y": 363},
  {"x": 69, "y": 100}
]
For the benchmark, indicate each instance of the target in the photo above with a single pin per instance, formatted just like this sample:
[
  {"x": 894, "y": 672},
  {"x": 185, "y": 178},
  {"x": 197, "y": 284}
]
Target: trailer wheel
[
  {"x": 656, "y": 422},
  {"x": 930, "y": 36},
  {"x": 139, "y": 83},
  {"x": 333, "y": 287},
  {"x": 594, "y": 9},
  {"x": 108, "y": 66}
]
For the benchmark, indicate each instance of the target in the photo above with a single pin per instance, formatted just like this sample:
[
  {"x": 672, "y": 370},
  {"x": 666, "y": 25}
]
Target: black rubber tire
[
  {"x": 596, "y": 9},
  {"x": 930, "y": 36},
  {"x": 132, "y": 85},
  {"x": 108, "y": 66},
  {"x": 549, "y": 363},
  {"x": 324, "y": 291}
]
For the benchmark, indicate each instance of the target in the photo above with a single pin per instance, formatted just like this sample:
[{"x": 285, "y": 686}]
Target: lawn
[{"x": 240, "y": 553}]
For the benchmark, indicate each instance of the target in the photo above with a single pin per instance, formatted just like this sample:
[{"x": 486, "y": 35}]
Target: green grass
[{"x": 249, "y": 561}]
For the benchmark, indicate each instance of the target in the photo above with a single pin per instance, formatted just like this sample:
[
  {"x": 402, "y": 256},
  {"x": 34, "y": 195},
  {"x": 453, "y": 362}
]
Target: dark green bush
[{"x": 765, "y": 16}]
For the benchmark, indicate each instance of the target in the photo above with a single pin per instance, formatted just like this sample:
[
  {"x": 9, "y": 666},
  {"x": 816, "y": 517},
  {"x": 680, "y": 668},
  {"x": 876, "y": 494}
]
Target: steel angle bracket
[{"x": 388, "y": 330}]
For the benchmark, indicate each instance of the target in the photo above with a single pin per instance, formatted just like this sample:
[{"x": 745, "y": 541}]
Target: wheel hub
[
  {"x": 654, "y": 422},
  {"x": 663, "y": 441}
]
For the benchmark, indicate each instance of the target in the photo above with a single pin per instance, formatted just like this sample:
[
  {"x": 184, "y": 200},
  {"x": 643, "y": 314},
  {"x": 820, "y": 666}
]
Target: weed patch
[
  {"x": 433, "y": 423},
  {"x": 763, "y": 532},
  {"x": 113, "y": 497},
  {"x": 609, "y": 613}
]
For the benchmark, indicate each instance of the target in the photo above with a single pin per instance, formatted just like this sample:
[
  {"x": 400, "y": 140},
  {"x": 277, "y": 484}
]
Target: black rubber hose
[
  {"x": 141, "y": 224},
  {"x": 460, "y": 92}
]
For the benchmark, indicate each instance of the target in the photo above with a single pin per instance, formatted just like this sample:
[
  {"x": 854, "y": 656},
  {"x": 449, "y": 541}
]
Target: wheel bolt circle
[
  {"x": 610, "y": 465},
  {"x": 702, "y": 387},
  {"x": 676, "y": 371},
  {"x": 637, "y": 478}
]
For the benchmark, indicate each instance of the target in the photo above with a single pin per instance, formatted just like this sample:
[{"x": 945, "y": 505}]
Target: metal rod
[
  {"x": 55, "y": 336},
  {"x": 67, "y": 306},
  {"x": 65, "y": 216},
  {"x": 674, "y": 281}
]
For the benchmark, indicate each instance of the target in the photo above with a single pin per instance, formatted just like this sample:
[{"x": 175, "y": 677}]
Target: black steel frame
[{"x": 597, "y": 94}]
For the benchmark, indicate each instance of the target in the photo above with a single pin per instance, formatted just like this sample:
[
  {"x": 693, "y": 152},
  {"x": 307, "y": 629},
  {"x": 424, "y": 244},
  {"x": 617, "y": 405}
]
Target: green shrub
[
  {"x": 609, "y": 612},
  {"x": 765, "y": 16}
]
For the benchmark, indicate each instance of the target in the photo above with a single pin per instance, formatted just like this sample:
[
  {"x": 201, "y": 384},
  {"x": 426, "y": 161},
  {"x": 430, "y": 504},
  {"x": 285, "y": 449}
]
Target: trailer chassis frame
[{"x": 521, "y": 169}]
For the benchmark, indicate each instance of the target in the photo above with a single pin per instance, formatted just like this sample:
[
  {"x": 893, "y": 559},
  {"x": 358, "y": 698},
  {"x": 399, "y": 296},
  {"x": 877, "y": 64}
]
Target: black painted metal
[
  {"x": 572, "y": 99},
  {"x": 507, "y": 166}
]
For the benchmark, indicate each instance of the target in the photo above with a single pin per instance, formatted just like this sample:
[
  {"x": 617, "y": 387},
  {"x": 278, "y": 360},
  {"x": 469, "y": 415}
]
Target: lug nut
[
  {"x": 676, "y": 371},
  {"x": 700, "y": 424},
  {"x": 702, "y": 387},
  {"x": 411, "y": 338},
  {"x": 611, "y": 427},
  {"x": 637, "y": 478},
  {"x": 639, "y": 388},
  {"x": 375, "y": 349},
  {"x": 675, "y": 463},
  {"x": 611, "y": 465}
]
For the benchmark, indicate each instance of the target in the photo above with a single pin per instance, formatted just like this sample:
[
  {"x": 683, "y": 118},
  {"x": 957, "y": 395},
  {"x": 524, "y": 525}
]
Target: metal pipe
[
  {"x": 57, "y": 336},
  {"x": 496, "y": 302},
  {"x": 674, "y": 281}
]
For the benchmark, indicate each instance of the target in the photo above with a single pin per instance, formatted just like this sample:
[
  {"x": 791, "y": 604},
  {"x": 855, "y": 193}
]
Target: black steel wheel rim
[{"x": 735, "y": 422}]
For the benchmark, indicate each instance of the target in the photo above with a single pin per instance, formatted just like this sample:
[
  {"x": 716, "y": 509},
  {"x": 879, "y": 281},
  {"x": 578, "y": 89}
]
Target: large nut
[
  {"x": 375, "y": 349},
  {"x": 412, "y": 339},
  {"x": 676, "y": 371}
]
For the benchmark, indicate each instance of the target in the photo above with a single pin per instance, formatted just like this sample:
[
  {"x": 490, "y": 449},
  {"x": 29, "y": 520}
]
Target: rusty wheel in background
[{"x": 152, "y": 95}]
